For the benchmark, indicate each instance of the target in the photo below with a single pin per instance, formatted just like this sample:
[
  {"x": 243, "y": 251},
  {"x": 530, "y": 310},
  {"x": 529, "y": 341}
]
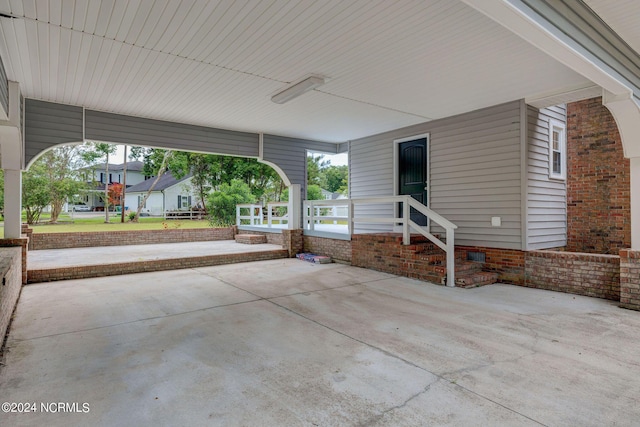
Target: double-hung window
[{"x": 557, "y": 150}]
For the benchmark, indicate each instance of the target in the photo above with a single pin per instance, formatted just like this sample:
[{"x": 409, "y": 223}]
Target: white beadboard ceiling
[
  {"x": 622, "y": 16},
  {"x": 388, "y": 63}
]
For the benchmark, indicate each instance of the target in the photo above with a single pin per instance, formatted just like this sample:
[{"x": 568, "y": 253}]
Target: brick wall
[
  {"x": 23, "y": 243},
  {"x": 385, "y": 252},
  {"x": 508, "y": 263},
  {"x": 11, "y": 270},
  {"x": 338, "y": 250},
  {"x": 120, "y": 238},
  {"x": 102, "y": 270},
  {"x": 630, "y": 279},
  {"x": 593, "y": 275},
  {"x": 598, "y": 198},
  {"x": 272, "y": 238}
]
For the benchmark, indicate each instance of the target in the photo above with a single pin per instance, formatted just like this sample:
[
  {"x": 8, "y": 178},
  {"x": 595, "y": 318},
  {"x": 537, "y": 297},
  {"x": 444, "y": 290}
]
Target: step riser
[{"x": 104, "y": 270}]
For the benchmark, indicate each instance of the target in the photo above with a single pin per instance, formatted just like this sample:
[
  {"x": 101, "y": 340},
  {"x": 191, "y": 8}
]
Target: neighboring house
[
  {"x": 96, "y": 178},
  {"x": 328, "y": 195},
  {"x": 169, "y": 194}
]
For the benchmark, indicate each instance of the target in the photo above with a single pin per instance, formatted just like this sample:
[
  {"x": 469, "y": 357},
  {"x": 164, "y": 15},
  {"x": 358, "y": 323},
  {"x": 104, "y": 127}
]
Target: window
[
  {"x": 557, "y": 150},
  {"x": 184, "y": 202},
  {"x": 140, "y": 199}
]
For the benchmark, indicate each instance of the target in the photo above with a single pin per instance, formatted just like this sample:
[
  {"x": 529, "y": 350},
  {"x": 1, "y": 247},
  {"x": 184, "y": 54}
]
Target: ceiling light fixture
[{"x": 297, "y": 89}]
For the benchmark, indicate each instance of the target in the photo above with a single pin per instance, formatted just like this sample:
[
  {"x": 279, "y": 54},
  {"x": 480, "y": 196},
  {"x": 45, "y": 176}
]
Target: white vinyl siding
[
  {"x": 475, "y": 174},
  {"x": 546, "y": 197}
]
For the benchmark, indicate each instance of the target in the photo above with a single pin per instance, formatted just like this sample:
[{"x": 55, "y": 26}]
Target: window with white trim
[{"x": 557, "y": 150}]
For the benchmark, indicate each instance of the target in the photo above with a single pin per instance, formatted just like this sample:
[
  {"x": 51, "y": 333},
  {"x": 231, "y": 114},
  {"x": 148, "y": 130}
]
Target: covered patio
[{"x": 238, "y": 345}]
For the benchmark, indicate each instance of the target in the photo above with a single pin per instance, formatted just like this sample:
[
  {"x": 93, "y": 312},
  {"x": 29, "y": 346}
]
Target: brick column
[
  {"x": 630, "y": 279},
  {"x": 292, "y": 241},
  {"x": 24, "y": 243},
  {"x": 27, "y": 231}
]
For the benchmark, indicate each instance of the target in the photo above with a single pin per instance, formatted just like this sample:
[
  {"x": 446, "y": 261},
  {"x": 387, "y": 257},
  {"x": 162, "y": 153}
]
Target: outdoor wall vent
[{"x": 476, "y": 256}]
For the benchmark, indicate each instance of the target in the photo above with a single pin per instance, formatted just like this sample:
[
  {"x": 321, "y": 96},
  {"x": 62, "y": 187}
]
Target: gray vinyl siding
[
  {"x": 116, "y": 128},
  {"x": 48, "y": 124},
  {"x": 546, "y": 197},
  {"x": 475, "y": 173},
  {"x": 290, "y": 155},
  {"x": 4, "y": 89}
]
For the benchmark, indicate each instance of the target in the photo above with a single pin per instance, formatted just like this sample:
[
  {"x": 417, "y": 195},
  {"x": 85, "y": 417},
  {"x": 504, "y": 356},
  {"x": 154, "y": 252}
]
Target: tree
[
  {"x": 94, "y": 151},
  {"x": 155, "y": 163},
  {"x": 335, "y": 179},
  {"x": 61, "y": 166},
  {"x": 315, "y": 163},
  {"x": 222, "y": 203},
  {"x": 36, "y": 194},
  {"x": 115, "y": 194}
]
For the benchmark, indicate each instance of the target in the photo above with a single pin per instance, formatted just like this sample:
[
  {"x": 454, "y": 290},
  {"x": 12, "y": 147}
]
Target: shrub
[{"x": 222, "y": 203}]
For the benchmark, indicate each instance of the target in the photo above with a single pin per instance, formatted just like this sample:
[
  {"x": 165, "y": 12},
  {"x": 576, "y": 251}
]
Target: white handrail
[
  {"x": 312, "y": 215},
  {"x": 254, "y": 219}
]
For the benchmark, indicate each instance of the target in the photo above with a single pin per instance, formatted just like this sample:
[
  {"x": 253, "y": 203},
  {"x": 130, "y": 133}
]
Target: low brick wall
[
  {"x": 630, "y": 279},
  {"x": 103, "y": 270},
  {"x": 508, "y": 263},
  {"x": 592, "y": 275},
  {"x": 121, "y": 238},
  {"x": 22, "y": 243},
  {"x": 272, "y": 238},
  {"x": 11, "y": 274},
  {"x": 338, "y": 250}
]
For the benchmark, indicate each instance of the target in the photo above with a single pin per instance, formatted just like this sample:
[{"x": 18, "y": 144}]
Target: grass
[{"x": 66, "y": 225}]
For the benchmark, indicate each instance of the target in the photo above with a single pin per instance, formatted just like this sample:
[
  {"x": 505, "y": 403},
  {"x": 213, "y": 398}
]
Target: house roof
[
  {"x": 167, "y": 180},
  {"x": 387, "y": 64},
  {"x": 135, "y": 166}
]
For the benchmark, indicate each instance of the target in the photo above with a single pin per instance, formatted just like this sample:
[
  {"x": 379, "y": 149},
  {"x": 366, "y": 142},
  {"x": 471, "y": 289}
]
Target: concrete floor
[{"x": 287, "y": 343}]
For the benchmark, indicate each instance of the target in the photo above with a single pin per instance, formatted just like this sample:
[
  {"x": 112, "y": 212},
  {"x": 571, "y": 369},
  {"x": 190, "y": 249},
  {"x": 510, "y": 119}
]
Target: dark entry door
[{"x": 412, "y": 167}]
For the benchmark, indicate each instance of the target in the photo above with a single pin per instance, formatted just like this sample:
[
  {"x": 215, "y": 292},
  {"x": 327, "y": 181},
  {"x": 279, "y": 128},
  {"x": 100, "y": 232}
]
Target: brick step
[
  {"x": 251, "y": 239},
  {"x": 103, "y": 270},
  {"x": 476, "y": 279},
  {"x": 462, "y": 267}
]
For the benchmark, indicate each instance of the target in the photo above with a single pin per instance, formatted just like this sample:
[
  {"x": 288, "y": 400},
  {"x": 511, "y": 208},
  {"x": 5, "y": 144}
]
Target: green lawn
[{"x": 65, "y": 224}]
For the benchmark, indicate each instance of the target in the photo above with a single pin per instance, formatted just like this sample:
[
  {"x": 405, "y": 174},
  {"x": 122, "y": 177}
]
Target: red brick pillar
[
  {"x": 630, "y": 279},
  {"x": 292, "y": 241},
  {"x": 27, "y": 231}
]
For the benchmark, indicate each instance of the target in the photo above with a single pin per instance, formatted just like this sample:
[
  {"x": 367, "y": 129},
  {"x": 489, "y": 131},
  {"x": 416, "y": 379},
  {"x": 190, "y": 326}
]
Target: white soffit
[
  {"x": 622, "y": 16},
  {"x": 388, "y": 64}
]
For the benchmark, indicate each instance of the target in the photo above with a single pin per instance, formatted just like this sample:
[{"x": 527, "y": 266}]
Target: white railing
[
  {"x": 253, "y": 215},
  {"x": 249, "y": 212},
  {"x": 277, "y": 212},
  {"x": 314, "y": 209},
  {"x": 327, "y": 212}
]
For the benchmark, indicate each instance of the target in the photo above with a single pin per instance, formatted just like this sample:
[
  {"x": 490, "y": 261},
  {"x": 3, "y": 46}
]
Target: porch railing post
[
  {"x": 312, "y": 215},
  {"x": 451, "y": 257},
  {"x": 406, "y": 236},
  {"x": 350, "y": 217},
  {"x": 295, "y": 206}
]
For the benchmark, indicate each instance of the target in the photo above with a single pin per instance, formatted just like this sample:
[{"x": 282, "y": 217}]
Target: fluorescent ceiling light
[{"x": 297, "y": 89}]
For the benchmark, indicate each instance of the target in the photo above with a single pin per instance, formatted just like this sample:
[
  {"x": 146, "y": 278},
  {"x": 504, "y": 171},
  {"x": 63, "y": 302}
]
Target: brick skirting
[
  {"x": 508, "y": 263},
  {"x": 593, "y": 275},
  {"x": 102, "y": 270},
  {"x": 11, "y": 286},
  {"x": 122, "y": 238},
  {"x": 338, "y": 250},
  {"x": 630, "y": 279}
]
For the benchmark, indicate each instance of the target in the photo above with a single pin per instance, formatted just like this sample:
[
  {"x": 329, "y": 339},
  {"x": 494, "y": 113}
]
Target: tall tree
[
  {"x": 61, "y": 166},
  {"x": 155, "y": 164},
  {"x": 335, "y": 178},
  {"x": 36, "y": 194},
  {"x": 97, "y": 150},
  {"x": 315, "y": 163}
]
